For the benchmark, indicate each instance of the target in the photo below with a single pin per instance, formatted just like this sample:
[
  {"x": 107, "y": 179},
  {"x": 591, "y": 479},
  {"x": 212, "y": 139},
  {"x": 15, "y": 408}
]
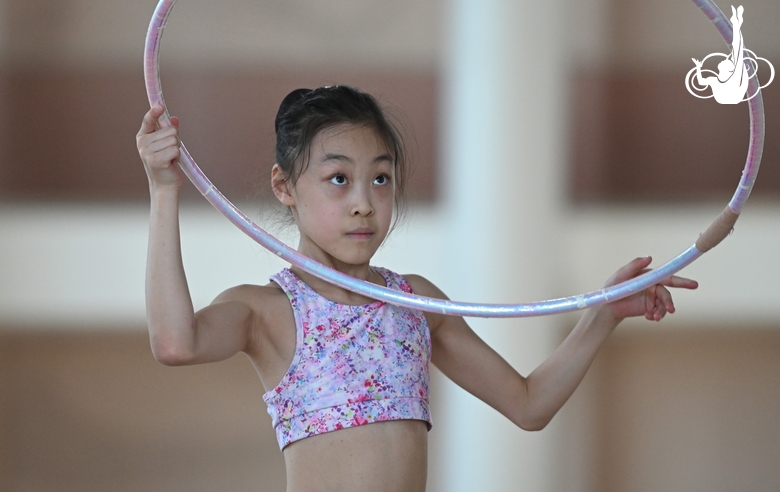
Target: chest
[{"x": 357, "y": 341}]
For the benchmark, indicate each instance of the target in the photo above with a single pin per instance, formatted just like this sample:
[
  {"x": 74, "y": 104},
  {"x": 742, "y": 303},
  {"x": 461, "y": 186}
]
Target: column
[{"x": 503, "y": 123}]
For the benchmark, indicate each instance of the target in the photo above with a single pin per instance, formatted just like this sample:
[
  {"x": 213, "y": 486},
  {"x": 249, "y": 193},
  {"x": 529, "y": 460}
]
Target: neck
[{"x": 361, "y": 271}]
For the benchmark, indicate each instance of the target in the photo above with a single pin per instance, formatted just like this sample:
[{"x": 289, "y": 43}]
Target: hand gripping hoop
[{"x": 714, "y": 234}]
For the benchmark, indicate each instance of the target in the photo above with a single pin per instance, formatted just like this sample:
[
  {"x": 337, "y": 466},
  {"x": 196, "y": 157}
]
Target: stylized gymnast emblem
[
  {"x": 714, "y": 234},
  {"x": 730, "y": 84}
]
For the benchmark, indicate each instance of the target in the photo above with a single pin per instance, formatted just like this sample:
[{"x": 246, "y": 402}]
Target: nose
[{"x": 361, "y": 203}]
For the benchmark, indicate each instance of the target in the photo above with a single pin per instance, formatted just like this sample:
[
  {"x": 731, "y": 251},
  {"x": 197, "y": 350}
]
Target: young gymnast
[{"x": 346, "y": 377}]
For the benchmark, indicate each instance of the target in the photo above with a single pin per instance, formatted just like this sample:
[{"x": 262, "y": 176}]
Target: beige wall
[
  {"x": 400, "y": 33},
  {"x": 676, "y": 408},
  {"x": 82, "y": 403},
  {"x": 668, "y": 33},
  {"x": 97, "y": 412},
  {"x": 662, "y": 34}
]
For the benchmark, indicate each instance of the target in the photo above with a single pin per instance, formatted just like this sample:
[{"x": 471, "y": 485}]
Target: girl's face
[{"x": 343, "y": 201}]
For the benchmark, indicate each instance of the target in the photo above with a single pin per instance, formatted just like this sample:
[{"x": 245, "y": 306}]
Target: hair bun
[{"x": 287, "y": 102}]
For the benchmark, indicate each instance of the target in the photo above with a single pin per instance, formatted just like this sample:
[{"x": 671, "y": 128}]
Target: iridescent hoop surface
[{"x": 719, "y": 229}]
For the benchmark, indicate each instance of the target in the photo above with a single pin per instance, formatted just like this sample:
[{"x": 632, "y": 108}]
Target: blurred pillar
[
  {"x": 4, "y": 123},
  {"x": 503, "y": 151}
]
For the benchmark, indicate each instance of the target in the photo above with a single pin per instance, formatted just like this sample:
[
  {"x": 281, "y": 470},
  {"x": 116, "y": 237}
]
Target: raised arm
[
  {"x": 177, "y": 335},
  {"x": 531, "y": 402}
]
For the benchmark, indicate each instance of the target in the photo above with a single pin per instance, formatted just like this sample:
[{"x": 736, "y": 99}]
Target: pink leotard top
[{"x": 353, "y": 365}]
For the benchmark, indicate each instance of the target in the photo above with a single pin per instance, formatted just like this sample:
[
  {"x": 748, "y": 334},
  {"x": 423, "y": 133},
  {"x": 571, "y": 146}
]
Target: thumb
[{"x": 149, "y": 123}]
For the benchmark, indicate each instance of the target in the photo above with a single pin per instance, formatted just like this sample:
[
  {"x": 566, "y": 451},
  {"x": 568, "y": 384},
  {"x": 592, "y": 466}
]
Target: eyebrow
[{"x": 341, "y": 157}]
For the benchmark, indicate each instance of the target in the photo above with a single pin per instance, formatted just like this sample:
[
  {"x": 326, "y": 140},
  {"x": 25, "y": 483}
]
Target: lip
[{"x": 361, "y": 233}]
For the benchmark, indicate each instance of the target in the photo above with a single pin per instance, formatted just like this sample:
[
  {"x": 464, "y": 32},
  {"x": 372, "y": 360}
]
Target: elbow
[
  {"x": 534, "y": 410},
  {"x": 533, "y": 425},
  {"x": 171, "y": 359},
  {"x": 170, "y": 354}
]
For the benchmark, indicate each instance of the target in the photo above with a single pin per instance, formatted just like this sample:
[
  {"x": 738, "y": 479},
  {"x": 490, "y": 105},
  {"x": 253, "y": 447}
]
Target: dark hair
[{"x": 304, "y": 112}]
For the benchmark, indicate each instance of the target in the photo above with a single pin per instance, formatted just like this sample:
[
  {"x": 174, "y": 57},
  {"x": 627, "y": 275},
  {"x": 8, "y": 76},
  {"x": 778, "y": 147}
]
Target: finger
[
  {"x": 157, "y": 140},
  {"x": 679, "y": 282},
  {"x": 660, "y": 313},
  {"x": 149, "y": 123},
  {"x": 159, "y": 152},
  {"x": 175, "y": 121},
  {"x": 665, "y": 297},
  {"x": 649, "y": 303},
  {"x": 162, "y": 143},
  {"x": 659, "y": 308},
  {"x": 633, "y": 268},
  {"x": 165, "y": 158}
]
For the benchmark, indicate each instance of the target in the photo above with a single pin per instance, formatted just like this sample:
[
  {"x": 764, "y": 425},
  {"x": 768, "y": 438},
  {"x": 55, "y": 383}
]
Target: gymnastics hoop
[{"x": 714, "y": 234}]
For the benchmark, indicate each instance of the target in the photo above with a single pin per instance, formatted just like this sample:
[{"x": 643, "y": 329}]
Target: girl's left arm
[{"x": 531, "y": 402}]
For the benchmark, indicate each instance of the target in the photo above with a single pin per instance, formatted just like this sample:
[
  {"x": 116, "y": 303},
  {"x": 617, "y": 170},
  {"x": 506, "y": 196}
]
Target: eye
[
  {"x": 339, "y": 180},
  {"x": 382, "y": 180}
]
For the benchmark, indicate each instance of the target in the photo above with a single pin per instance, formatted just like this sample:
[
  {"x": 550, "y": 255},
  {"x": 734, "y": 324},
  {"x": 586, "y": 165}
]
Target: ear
[{"x": 281, "y": 186}]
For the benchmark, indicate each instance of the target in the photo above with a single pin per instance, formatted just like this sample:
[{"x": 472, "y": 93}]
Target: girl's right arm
[{"x": 179, "y": 336}]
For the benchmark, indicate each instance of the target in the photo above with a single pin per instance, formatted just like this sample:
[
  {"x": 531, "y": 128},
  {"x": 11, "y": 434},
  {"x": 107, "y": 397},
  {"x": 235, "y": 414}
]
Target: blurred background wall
[{"x": 552, "y": 144}]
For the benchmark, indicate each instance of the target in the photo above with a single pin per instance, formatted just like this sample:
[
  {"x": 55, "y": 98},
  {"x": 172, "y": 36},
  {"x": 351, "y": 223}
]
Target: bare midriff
[{"x": 382, "y": 457}]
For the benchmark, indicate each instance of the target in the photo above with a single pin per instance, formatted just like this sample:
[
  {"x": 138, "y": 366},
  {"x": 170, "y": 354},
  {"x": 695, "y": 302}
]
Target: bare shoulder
[
  {"x": 270, "y": 324},
  {"x": 250, "y": 293},
  {"x": 255, "y": 319},
  {"x": 265, "y": 301},
  {"x": 421, "y": 286}
]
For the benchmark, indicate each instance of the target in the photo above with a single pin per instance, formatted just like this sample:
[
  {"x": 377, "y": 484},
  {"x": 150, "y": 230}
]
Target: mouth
[{"x": 362, "y": 233}]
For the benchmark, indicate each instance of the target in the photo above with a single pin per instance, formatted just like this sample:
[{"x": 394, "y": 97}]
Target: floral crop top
[{"x": 353, "y": 365}]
